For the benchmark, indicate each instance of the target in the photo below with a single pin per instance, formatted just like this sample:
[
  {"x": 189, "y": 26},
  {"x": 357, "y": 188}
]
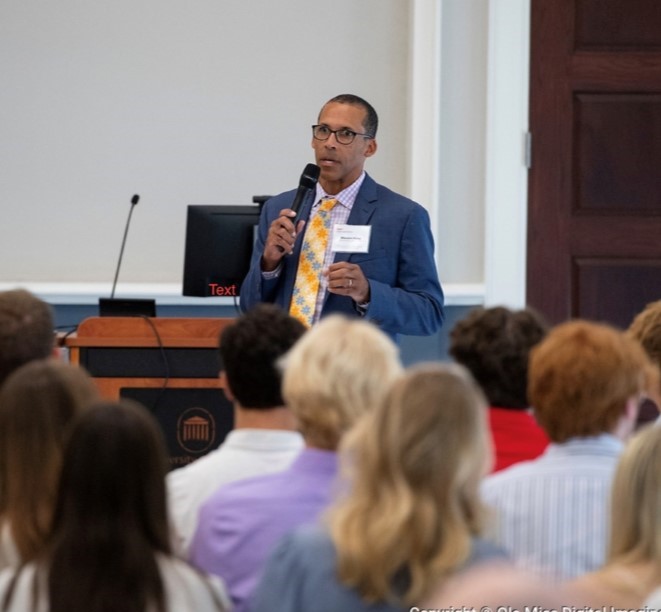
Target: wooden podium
[{"x": 170, "y": 365}]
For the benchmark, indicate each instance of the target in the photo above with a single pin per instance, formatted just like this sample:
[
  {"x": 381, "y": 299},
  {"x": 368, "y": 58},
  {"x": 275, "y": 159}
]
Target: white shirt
[
  {"x": 243, "y": 454},
  {"x": 186, "y": 590},
  {"x": 553, "y": 512}
]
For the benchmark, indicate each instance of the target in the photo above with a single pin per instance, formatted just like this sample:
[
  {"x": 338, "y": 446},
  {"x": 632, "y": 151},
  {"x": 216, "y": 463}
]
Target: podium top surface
[{"x": 148, "y": 332}]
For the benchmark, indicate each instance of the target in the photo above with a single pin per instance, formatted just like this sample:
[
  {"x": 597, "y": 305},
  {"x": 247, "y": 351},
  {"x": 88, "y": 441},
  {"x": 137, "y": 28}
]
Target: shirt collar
[
  {"x": 315, "y": 460},
  {"x": 603, "y": 444},
  {"x": 346, "y": 197}
]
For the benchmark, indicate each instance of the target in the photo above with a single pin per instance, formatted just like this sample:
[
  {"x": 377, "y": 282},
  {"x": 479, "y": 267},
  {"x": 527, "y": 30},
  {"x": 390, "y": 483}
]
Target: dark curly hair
[
  {"x": 249, "y": 349},
  {"x": 493, "y": 343}
]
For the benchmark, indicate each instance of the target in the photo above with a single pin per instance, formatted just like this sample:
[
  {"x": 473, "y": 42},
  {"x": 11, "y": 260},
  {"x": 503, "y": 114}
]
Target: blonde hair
[
  {"x": 414, "y": 466},
  {"x": 581, "y": 376},
  {"x": 38, "y": 404},
  {"x": 336, "y": 372},
  {"x": 646, "y": 328},
  {"x": 636, "y": 501}
]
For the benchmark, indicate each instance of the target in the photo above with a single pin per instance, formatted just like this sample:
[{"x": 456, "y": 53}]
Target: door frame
[{"x": 506, "y": 176}]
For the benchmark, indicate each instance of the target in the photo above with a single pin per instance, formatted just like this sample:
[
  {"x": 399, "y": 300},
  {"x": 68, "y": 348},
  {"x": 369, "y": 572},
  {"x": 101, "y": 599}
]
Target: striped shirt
[
  {"x": 339, "y": 215},
  {"x": 552, "y": 513}
]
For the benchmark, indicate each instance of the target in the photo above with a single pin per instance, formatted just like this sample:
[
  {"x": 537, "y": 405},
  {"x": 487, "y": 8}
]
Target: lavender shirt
[{"x": 240, "y": 524}]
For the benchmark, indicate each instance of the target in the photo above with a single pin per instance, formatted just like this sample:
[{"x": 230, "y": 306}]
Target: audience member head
[
  {"x": 414, "y": 467},
  {"x": 494, "y": 343},
  {"x": 110, "y": 518},
  {"x": 39, "y": 403},
  {"x": 636, "y": 501},
  {"x": 249, "y": 350},
  {"x": 586, "y": 379},
  {"x": 646, "y": 328},
  {"x": 336, "y": 372},
  {"x": 26, "y": 330}
]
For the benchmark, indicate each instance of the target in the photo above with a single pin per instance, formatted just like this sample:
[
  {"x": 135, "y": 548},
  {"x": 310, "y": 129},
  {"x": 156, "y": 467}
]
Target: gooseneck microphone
[
  {"x": 134, "y": 201},
  {"x": 128, "y": 307},
  {"x": 307, "y": 183}
]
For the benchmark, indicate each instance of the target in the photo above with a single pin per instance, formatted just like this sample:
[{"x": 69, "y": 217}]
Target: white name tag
[{"x": 351, "y": 238}]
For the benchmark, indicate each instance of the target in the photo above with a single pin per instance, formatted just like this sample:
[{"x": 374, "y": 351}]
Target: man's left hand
[{"x": 346, "y": 278}]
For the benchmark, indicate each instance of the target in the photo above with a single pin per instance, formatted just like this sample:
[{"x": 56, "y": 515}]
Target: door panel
[{"x": 594, "y": 218}]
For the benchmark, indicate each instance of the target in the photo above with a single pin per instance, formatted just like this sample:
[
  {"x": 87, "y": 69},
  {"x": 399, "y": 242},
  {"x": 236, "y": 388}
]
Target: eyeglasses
[{"x": 344, "y": 136}]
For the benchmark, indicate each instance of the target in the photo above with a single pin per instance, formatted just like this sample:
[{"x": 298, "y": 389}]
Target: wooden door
[{"x": 594, "y": 211}]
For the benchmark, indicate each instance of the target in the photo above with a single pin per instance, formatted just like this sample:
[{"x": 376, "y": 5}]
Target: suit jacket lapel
[{"x": 362, "y": 210}]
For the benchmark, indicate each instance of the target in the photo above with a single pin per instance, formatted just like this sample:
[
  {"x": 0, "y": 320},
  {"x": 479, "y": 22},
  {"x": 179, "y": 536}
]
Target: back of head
[
  {"x": 581, "y": 377},
  {"x": 421, "y": 455},
  {"x": 636, "y": 500},
  {"x": 39, "y": 403},
  {"x": 26, "y": 330},
  {"x": 249, "y": 350},
  {"x": 113, "y": 475},
  {"x": 494, "y": 344},
  {"x": 337, "y": 372},
  {"x": 646, "y": 328},
  {"x": 110, "y": 518}
]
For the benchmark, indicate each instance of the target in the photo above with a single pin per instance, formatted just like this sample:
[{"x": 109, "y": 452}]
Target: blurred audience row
[{"x": 526, "y": 473}]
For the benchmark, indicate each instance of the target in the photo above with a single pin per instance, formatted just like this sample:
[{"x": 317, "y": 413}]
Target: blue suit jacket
[{"x": 405, "y": 292}]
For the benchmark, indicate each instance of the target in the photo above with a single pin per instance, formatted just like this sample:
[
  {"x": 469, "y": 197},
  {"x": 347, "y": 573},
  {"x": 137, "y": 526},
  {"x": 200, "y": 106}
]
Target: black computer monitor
[{"x": 219, "y": 242}]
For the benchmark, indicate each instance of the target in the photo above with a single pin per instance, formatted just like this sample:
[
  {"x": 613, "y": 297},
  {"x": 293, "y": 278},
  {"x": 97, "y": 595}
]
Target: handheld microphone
[
  {"x": 134, "y": 201},
  {"x": 307, "y": 183}
]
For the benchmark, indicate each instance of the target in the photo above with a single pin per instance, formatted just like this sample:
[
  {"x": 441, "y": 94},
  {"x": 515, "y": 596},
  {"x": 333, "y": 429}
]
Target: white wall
[
  {"x": 211, "y": 102},
  {"x": 462, "y": 162},
  {"x": 181, "y": 102},
  {"x": 469, "y": 83}
]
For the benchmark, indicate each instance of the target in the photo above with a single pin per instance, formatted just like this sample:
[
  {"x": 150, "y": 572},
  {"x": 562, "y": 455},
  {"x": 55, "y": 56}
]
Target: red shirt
[{"x": 516, "y": 437}]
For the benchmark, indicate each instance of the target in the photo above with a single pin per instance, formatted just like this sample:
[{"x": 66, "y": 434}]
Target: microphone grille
[{"x": 310, "y": 176}]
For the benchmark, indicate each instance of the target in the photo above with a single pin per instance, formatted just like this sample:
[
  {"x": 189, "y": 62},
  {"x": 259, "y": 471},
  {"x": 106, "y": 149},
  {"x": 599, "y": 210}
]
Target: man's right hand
[{"x": 280, "y": 239}]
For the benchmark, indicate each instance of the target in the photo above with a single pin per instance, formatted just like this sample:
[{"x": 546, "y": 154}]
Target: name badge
[{"x": 351, "y": 238}]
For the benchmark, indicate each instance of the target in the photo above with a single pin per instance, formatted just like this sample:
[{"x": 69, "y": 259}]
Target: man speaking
[{"x": 364, "y": 250}]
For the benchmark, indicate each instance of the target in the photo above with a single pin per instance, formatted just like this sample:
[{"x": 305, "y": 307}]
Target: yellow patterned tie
[{"x": 308, "y": 276}]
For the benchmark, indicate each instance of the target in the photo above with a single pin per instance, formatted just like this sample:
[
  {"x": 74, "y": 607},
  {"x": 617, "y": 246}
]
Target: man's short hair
[
  {"x": 494, "y": 344},
  {"x": 26, "y": 330},
  {"x": 371, "y": 121},
  {"x": 249, "y": 349},
  {"x": 581, "y": 376}
]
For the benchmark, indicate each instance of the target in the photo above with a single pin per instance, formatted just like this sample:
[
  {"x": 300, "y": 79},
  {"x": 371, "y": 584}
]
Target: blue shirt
[{"x": 302, "y": 575}]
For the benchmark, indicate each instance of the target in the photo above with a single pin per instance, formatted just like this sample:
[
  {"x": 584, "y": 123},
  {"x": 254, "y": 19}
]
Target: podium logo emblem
[{"x": 196, "y": 430}]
